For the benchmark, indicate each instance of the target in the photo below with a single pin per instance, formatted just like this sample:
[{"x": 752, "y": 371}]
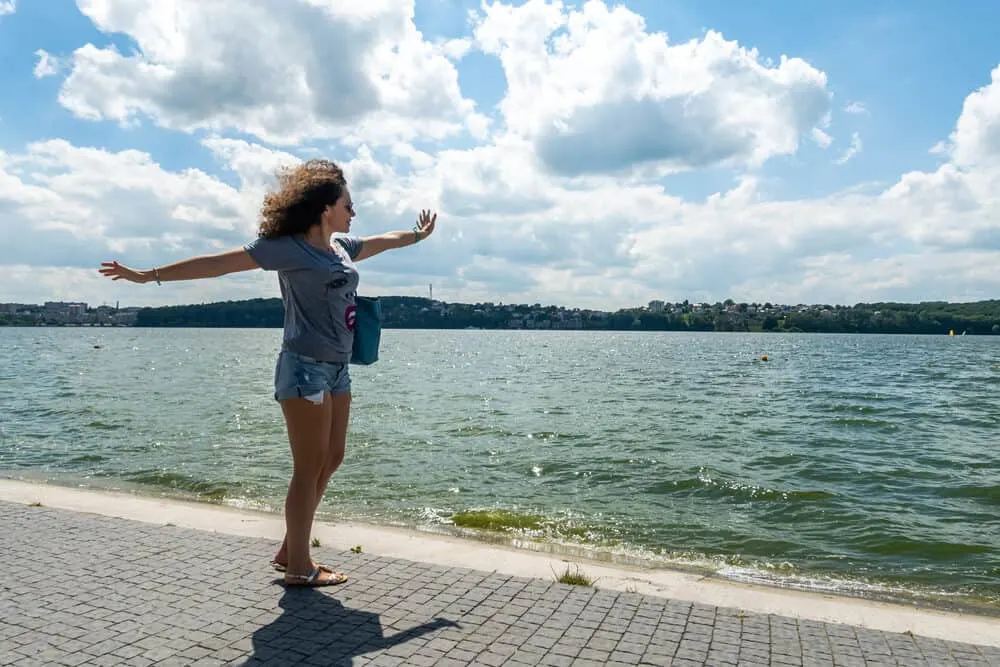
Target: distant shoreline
[
  {"x": 931, "y": 318},
  {"x": 389, "y": 327}
]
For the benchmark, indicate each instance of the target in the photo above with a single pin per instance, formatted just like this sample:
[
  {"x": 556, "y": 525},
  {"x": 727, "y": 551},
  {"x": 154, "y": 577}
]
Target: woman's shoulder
[
  {"x": 277, "y": 253},
  {"x": 351, "y": 244},
  {"x": 272, "y": 241}
]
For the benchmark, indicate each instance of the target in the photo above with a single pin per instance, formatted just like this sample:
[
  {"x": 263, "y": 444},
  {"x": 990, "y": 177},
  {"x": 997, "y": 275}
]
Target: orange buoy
[{"x": 763, "y": 357}]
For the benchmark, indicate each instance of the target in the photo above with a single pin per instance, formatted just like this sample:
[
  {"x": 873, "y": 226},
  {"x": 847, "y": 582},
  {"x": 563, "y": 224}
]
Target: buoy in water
[{"x": 763, "y": 357}]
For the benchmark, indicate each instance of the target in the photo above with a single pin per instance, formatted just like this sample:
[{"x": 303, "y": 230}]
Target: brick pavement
[{"x": 81, "y": 589}]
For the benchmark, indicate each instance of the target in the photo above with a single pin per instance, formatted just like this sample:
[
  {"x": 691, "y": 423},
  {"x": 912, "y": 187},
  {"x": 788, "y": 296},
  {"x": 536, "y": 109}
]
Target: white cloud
[
  {"x": 856, "y": 108},
  {"x": 282, "y": 70},
  {"x": 455, "y": 49},
  {"x": 512, "y": 226},
  {"x": 595, "y": 92},
  {"x": 822, "y": 139},
  {"x": 46, "y": 65},
  {"x": 254, "y": 164},
  {"x": 976, "y": 139},
  {"x": 7, "y": 7},
  {"x": 511, "y": 232},
  {"x": 851, "y": 150},
  {"x": 81, "y": 203}
]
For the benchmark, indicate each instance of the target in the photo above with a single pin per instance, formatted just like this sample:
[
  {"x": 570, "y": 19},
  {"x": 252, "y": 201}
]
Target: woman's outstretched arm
[
  {"x": 194, "y": 268},
  {"x": 373, "y": 245}
]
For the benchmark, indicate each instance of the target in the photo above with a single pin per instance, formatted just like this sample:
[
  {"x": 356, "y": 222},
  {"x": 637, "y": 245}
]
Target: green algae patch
[
  {"x": 528, "y": 525},
  {"x": 498, "y": 520}
]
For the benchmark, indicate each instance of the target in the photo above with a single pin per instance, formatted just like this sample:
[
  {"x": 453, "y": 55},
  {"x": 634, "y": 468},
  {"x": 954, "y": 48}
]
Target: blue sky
[{"x": 585, "y": 154}]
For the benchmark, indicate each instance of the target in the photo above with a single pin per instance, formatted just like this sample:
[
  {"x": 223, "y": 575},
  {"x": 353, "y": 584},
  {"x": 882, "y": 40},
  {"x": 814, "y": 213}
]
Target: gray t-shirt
[{"x": 318, "y": 289}]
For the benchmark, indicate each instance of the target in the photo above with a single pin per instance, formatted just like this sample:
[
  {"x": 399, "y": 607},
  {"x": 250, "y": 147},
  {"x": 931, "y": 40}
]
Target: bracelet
[
  {"x": 156, "y": 275},
  {"x": 416, "y": 236}
]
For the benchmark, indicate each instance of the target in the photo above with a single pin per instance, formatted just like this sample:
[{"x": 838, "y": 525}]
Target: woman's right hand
[{"x": 117, "y": 271}]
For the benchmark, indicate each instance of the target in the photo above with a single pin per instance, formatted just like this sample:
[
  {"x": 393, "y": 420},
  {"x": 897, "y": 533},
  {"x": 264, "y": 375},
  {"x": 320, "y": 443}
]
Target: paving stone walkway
[{"x": 81, "y": 589}]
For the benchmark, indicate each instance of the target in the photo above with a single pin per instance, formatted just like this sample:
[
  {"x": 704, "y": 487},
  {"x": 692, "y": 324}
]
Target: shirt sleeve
[
  {"x": 352, "y": 244},
  {"x": 280, "y": 254}
]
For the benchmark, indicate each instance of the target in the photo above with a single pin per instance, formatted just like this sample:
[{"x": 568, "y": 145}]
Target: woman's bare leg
[
  {"x": 339, "y": 419},
  {"x": 308, "y": 427}
]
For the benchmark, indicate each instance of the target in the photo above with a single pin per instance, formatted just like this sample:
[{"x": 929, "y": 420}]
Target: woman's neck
[{"x": 317, "y": 237}]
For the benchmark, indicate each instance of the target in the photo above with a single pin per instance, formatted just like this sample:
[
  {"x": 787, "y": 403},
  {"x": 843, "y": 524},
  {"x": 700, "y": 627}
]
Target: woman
[{"x": 318, "y": 281}]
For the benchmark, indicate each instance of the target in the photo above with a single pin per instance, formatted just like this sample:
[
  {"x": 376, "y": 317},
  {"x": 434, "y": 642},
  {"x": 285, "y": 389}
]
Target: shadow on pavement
[{"x": 315, "y": 625}]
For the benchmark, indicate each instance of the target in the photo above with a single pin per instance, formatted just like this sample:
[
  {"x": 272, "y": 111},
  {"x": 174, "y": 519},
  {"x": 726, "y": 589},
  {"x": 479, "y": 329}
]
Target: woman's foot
[
  {"x": 282, "y": 567},
  {"x": 280, "y": 561},
  {"x": 318, "y": 577}
]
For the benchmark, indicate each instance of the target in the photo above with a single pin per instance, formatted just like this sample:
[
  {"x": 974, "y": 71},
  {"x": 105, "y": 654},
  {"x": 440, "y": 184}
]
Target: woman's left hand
[{"x": 425, "y": 223}]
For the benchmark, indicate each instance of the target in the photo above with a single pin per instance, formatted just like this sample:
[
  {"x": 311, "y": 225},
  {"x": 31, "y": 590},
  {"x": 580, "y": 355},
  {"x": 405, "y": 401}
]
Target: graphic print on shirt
[
  {"x": 337, "y": 283},
  {"x": 351, "y": 317}
]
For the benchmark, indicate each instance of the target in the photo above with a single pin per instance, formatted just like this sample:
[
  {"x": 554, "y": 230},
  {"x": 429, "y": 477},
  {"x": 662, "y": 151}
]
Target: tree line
[{"x": 975, "y": 318}]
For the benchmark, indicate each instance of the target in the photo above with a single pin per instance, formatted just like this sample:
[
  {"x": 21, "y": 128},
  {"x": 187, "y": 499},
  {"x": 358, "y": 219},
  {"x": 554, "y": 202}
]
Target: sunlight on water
[{"x": 860, "y": 464}]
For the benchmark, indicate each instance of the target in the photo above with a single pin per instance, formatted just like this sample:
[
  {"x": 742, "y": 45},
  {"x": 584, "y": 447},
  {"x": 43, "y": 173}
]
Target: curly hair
[{"x": 303, "y": 194}]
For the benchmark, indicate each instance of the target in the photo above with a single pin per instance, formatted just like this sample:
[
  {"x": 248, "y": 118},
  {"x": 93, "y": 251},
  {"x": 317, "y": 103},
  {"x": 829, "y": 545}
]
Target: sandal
[
  {"x": 313, "y": 579},
  {"x": 281, "y": 567}
]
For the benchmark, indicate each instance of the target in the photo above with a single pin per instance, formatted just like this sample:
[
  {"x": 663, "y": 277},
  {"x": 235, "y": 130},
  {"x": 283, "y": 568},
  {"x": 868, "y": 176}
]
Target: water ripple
[{"x": 855, "y": 463}]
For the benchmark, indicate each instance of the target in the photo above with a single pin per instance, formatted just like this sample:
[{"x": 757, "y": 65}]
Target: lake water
[{"x": 863, "y": 464}]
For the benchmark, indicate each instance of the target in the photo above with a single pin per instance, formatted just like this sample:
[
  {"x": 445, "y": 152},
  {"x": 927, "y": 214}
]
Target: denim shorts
[{"x": 299, "y": 376}]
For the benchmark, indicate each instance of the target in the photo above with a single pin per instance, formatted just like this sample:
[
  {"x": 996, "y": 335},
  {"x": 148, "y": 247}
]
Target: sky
[{"x": 583, "y": 154}]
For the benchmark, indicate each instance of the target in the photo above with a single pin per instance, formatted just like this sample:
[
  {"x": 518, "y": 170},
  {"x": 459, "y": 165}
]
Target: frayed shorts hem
[{"x": 299, "y": 376}]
